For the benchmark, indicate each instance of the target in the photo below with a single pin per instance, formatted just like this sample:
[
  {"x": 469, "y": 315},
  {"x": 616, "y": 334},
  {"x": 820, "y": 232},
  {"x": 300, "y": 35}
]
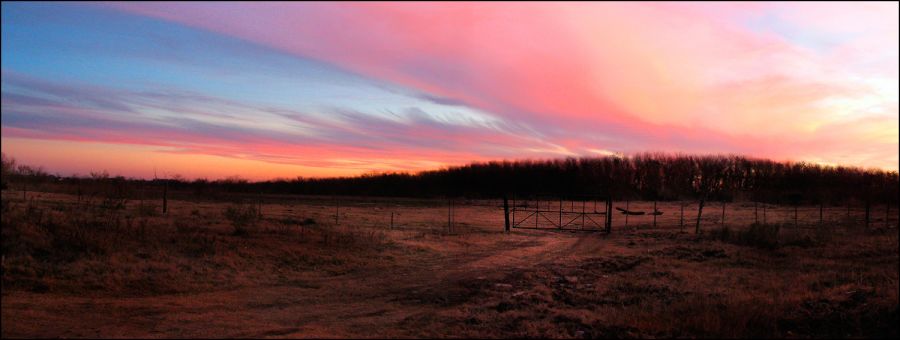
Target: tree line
[{"x": 645, "y": 176}]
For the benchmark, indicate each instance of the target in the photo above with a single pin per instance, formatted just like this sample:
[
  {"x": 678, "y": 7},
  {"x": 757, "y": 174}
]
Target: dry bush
[
  {"x": 241, "y": 217},
  {"x": 772, "y": 236},
  {"x": 147, "y": 209},
  {"x": 756, "y": 235},
  {"x": 285, "y": 225}
]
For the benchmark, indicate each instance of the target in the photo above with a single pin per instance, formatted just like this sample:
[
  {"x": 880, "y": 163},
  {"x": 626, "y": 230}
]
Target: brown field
[{"x": 97, "y": 269}]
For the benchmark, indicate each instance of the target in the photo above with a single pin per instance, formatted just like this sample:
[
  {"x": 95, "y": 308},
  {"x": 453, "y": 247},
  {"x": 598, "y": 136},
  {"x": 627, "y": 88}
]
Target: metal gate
[{"x": 580, "y": 213}]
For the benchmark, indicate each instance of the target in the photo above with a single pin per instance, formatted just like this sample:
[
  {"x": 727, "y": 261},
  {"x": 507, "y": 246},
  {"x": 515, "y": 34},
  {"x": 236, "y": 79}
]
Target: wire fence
[
  {"x": 461, "y": 215},
  {"x": 454, "y": 215}
]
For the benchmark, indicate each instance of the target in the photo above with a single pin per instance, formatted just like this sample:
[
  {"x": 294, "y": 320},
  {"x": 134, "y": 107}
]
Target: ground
[{"x": 100, "y": 269}]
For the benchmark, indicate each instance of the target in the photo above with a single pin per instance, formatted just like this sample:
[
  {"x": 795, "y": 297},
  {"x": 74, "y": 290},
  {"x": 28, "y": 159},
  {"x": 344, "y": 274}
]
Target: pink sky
[{"x": 813, "y": 82}]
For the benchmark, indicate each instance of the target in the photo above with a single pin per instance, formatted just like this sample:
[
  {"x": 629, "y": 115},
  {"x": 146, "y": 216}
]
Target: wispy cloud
[
  {"x": 386, "y": 86},
  {"x": 193, "y": 123}
]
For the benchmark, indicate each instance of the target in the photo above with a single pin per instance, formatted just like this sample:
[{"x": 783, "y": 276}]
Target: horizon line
[{"x": 626, "y": 155}]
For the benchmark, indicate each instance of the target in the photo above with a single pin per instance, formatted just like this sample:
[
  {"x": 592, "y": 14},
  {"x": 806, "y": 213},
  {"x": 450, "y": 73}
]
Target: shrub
[
  {"x": 147, "y": 209},
  {"x": 760, "y": 235},
  {"x": 241, "y": 217},
  {"x": 757, "y": 235}
]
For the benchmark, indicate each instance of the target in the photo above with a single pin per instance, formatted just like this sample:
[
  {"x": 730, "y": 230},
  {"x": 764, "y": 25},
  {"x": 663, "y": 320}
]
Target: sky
[{"x": 264, "y": 90}]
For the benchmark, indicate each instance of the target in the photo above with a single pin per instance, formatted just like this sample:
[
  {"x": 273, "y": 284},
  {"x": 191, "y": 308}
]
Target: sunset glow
[{"x": 266, "y": 90}]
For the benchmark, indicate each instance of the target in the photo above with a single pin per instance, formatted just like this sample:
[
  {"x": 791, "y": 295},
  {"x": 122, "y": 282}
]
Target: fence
[{"x": 459, "y": 215}]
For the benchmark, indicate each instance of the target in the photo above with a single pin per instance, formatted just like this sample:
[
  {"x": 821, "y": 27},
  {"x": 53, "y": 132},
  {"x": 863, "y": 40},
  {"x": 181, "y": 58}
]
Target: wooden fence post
[
  {"x": 609, "y": 215},
  {"x": 755, "y": 212},
  {"x": 506, "y": 213},
  {"x": 821, "y": 218},
  {"x": 654, "y": 213},
  {"x": 626, "y": 214},
  {"x": 449, "y": 215},
  {"x": 868, "y": 211},
  {"x": 887, "y": 214},
  {"x": 795, "y": 214},
  {"x": 699, "y": 214},
  {"x": 392, "y": 220},
  {"x": 337, "y": 211},
  {"x": 165, "y": 196},
  {"x": 514, "y": 209},
  {"x": 723, "y": 214},
  {"x": 681, "y": 217}
]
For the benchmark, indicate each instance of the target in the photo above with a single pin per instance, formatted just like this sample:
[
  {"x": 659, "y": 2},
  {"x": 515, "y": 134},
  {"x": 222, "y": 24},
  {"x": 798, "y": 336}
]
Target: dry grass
[
  {"x": 210, "y": 269},
  {"x": 65, "y": 247}
]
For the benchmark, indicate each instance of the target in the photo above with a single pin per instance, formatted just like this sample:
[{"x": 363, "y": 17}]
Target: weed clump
[
  {"x": 758, "y": 235},
  {"x": 241, "y": 217}
]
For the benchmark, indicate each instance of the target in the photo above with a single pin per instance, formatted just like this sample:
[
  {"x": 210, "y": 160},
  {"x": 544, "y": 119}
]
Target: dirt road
[{"x": 366, "y": 303}]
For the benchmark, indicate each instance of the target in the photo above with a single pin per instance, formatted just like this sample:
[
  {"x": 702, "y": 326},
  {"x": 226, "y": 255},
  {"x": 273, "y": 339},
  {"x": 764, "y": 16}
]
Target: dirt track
[
  {"x": 362, "y": 304},
  {"x": 477, "y": 282}
]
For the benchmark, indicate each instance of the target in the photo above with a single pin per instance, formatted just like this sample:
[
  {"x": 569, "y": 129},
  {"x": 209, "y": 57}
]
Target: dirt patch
[
  {"x": 445, "y": 294},
  {"x": 840, "y": 317},
  {"x": 692, "y": 253},
  {"x": 613, "y": 264}
]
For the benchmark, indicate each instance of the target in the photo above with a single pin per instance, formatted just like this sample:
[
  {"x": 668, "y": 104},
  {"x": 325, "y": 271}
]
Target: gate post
[
  {"x": 506, "y": 212},
  {"x": 559, "y": 225},
  {"x": 609, "y": 215}
]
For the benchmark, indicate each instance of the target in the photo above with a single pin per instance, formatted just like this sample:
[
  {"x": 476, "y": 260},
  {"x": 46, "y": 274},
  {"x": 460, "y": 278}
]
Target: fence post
[
  {"x": 764, "y": 213},
  {"x": 165, "y": 195},
  {"x": 560, "y": 213},
  {"x": 821, "y": 219},
  {"x": 392, "y": 220},
  {"x": 506, "y": 213},
  {"x": 449, "y": 215},
  {"x": 755, "y": 213},
  {"x": 681, "y": 217},
  {"x": 723, "y": 214},
  {"x": 609, "y": 215},
  {"x": 337, "y": 211},
  {"x": 654, "y": 213},
  {"x": 699, "y": 215},
  {"x": 795, "y": 214},
  {"x": 626, "y": 214},
  {"x": 887, "y": 214},
  {"x": 582, "y": 214},
  {"x": 868, "y": 210},
  {"x": 514, "y": 209}
]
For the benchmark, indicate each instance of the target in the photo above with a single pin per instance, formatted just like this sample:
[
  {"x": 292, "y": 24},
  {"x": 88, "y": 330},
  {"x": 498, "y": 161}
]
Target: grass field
[{"x": 287, "y": 268}]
